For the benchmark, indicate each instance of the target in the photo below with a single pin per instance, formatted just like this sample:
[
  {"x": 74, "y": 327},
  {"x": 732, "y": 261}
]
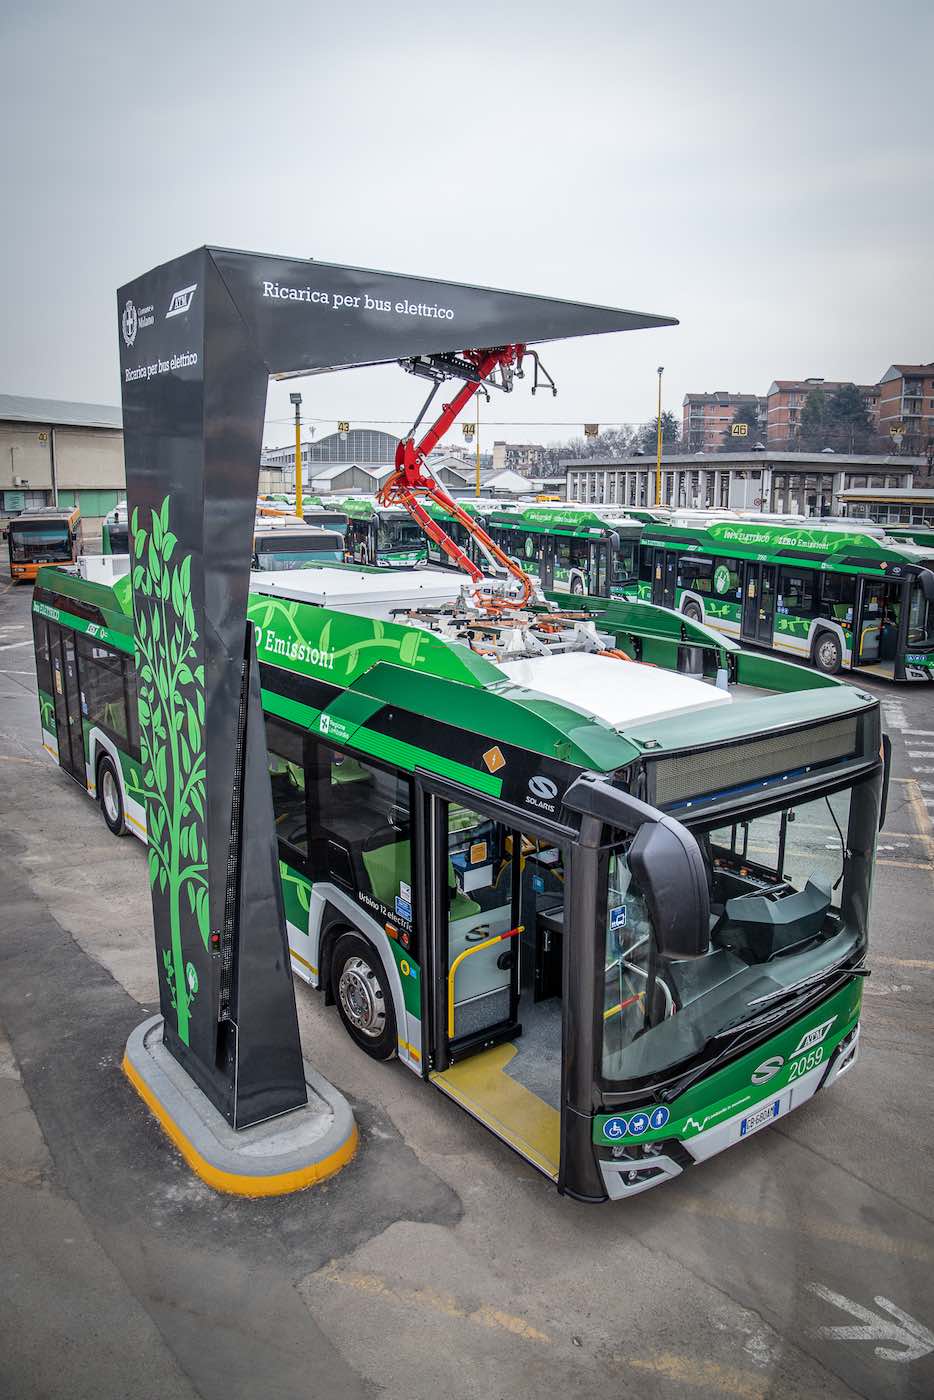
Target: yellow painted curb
[{"x": 233, "y": 1183}]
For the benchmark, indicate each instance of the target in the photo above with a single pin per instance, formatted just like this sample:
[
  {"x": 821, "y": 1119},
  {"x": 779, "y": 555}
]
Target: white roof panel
[{"x": 619, "y": 692}]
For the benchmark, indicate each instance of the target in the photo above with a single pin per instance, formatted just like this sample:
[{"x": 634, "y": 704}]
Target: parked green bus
[
  {"x": 570, "y": 549},
  {"x": 617, "y": 911},
  {"x": 381, "y": 535},
  {"x": 833, "y": 594}
]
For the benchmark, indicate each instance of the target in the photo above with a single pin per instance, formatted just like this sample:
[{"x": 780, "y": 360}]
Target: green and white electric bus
[
  {"x": 615, "y": 910},
  {"x": 835, "y": 594},
  {"x": 568, "y": 548},
  {"x": 381, "y": 535}
]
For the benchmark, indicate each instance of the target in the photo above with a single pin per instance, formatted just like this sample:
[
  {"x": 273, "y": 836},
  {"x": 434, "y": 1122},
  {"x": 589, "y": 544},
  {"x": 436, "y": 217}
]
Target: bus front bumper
[{"x": 627, "y": 1176}]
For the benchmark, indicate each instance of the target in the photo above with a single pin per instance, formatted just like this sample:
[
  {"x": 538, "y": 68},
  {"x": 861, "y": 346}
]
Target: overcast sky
[{"x": 762, "y": 172}]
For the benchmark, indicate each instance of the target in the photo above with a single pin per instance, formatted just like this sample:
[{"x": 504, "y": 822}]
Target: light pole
[
  {"x": 477, "y": 435},
  {"x": 296, "y": 399},
  {"x": 658, "y": 444}
]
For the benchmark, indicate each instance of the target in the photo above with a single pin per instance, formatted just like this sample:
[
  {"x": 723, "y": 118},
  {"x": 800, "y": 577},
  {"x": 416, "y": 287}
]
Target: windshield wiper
[
  {"x": 805, "y": 982},
  {"x": 738, "y": 1026}
]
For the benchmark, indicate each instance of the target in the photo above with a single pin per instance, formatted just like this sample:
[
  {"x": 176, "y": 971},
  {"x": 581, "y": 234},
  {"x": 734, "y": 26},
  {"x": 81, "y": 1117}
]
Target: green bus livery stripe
[
  {"x": 119, "y": 640},
  {"x": 390, "y": 750}
]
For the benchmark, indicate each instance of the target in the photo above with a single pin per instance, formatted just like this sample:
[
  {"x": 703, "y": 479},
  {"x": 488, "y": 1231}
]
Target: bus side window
[
  {"x": 695, "y": 574},
  {"x": 43, "y": 668},
  {"x": 361, "y": 818},
  {"x": 103, "y": 702},
  {"x": 132, "y": 704},
  {"x": 287, "y": 775},
  {"x": 796, "y": 591},
  {"x": 838, "y": 595}
]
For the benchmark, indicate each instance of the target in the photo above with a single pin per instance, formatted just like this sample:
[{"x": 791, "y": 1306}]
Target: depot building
[{"x": 54, "y": 452}]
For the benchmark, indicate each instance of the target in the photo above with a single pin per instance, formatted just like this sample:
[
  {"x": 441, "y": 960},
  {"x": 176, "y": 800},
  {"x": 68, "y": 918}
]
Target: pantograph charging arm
[{"x": 410, "y": 479}]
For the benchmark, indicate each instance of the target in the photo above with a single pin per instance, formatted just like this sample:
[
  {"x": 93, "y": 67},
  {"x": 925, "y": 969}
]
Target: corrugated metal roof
[{"x": 59, "y": 412}]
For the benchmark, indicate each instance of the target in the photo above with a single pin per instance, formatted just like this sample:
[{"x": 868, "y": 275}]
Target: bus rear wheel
[
  {"x": 827, "y": 654},
  {"x": 364, "y": 1000},
  {"x": 577, "y": 586},
  {"x": 692, "y": 610},
  {"x": 110, "y": 795}
]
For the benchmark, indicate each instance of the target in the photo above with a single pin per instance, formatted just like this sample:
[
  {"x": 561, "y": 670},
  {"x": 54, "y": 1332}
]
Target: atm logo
[
  {"x": 181, "y": 301},
  {"x": 811, "y": 1038}
]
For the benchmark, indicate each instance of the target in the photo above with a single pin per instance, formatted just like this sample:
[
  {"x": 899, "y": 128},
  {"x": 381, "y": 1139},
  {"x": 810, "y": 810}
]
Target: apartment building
[
  {"x": 906, "y": 400},
  {"x": 706, "y": 417},
  {"x": 787, "y": 397}
]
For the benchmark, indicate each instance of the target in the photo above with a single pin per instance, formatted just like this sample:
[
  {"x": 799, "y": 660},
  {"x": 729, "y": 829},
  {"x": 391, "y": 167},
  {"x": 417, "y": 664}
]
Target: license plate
[{"x": 754, "y": 1121}]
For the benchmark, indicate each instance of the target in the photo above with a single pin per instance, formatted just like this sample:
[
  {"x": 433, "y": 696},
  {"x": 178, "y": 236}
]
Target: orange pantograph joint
[{"x": 411, "y": 480}]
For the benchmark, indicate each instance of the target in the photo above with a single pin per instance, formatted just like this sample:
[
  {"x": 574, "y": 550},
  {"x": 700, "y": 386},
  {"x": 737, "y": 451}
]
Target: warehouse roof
[{"x": 59, "y": 412}]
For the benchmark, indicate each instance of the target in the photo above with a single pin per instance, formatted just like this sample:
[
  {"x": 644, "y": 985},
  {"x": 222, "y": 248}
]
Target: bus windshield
[
  {"x": 32, "y": 540},
  {"x": 400, "y": 533},
  {"x": 788, "y": 902},
  {"x": 297, "y": 551}
]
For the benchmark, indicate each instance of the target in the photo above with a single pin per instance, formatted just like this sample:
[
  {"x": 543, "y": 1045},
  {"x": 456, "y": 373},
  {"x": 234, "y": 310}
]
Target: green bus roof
[
  {"x": 750, "y": 539},
  {"x": 373, "y": 664},
  {"x": 562, "y": 520}
]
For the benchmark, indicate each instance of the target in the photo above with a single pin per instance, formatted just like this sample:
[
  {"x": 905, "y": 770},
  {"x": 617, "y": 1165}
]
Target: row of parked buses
[{"x": 841, "y": 594}]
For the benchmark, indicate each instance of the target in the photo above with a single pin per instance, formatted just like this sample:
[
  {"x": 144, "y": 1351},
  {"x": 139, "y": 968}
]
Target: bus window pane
[
  {"x": 695, "y": 573},
  {"x": 365, "y": 813},
  {"x": 103, "y": 702},
  {"x": 43, "y": 669},
  {"x": 287, "y": 773},
  {"x": 796, "y": 592}
]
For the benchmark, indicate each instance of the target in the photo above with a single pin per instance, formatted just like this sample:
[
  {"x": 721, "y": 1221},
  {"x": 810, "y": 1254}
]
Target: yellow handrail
[{"x": 474, "y": 948}]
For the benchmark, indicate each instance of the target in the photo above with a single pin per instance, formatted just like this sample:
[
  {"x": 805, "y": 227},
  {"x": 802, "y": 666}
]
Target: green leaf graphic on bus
[{"x": 171, "y": 719}]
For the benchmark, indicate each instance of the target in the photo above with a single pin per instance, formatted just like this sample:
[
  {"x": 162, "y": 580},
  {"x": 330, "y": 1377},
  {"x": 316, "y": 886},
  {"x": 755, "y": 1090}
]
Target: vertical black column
[{"x": 194, "y": 390}]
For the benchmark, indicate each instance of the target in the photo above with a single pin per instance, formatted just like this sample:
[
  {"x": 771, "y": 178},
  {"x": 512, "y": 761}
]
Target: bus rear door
[
  {"x": 67, "y": 696},
  {"x": 759, "y": 603},
  {"x": 664, "y": 577}
]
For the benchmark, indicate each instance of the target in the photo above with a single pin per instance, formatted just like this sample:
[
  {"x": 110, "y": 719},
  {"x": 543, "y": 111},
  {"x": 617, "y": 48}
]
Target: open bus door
[
  {"x": 664, "y": 577},
  {"x": 494, "y": 970}
]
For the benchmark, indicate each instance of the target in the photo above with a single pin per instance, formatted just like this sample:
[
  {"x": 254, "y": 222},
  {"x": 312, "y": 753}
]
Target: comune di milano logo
[{"x": 129, "y": 323}]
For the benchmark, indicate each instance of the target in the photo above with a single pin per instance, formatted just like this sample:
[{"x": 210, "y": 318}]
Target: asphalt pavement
[{"x": 799, "y": 1264}]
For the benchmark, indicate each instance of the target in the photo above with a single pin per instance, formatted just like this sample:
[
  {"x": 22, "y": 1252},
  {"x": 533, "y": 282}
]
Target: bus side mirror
[
  {"x": 927, "y": 584},
  {"x": 668, "y": 865}
]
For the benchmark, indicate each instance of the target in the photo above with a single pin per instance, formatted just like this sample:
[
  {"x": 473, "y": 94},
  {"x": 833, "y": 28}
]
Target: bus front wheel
[
  {"x": 364, "y": 1000},
  {"x": 110, "y": 795},
  {"x": 827, "y": 654},
  {"x": 577, "y": 586},
  {"x": 692, "y": 610}
]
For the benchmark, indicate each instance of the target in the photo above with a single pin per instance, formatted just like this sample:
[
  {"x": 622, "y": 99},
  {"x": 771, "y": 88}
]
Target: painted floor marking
[
  {"x": 12, "y": 646},
  {"x": 920, "y": 963},
  {"x": 819, "y": 1227},
  {"x": 702, "y": 1375},
  {"x": 428, "y": 1299},
  {"x": 911, "y": 1336},
  {"x": 921, "y": 733}
]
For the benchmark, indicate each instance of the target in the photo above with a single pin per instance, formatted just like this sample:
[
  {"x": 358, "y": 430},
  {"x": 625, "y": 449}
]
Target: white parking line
[{"x": 13, "y": 646}]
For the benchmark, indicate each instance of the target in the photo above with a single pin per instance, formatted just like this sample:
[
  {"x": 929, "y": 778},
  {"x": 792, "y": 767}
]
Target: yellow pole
[
  {"x": 658, "y": 447},
  {"x": 477, "y": 436},
  {"x": 298, "y": 462}
]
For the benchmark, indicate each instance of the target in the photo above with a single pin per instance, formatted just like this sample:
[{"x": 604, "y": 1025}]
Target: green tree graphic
[{"x": 171, "y": 719}]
